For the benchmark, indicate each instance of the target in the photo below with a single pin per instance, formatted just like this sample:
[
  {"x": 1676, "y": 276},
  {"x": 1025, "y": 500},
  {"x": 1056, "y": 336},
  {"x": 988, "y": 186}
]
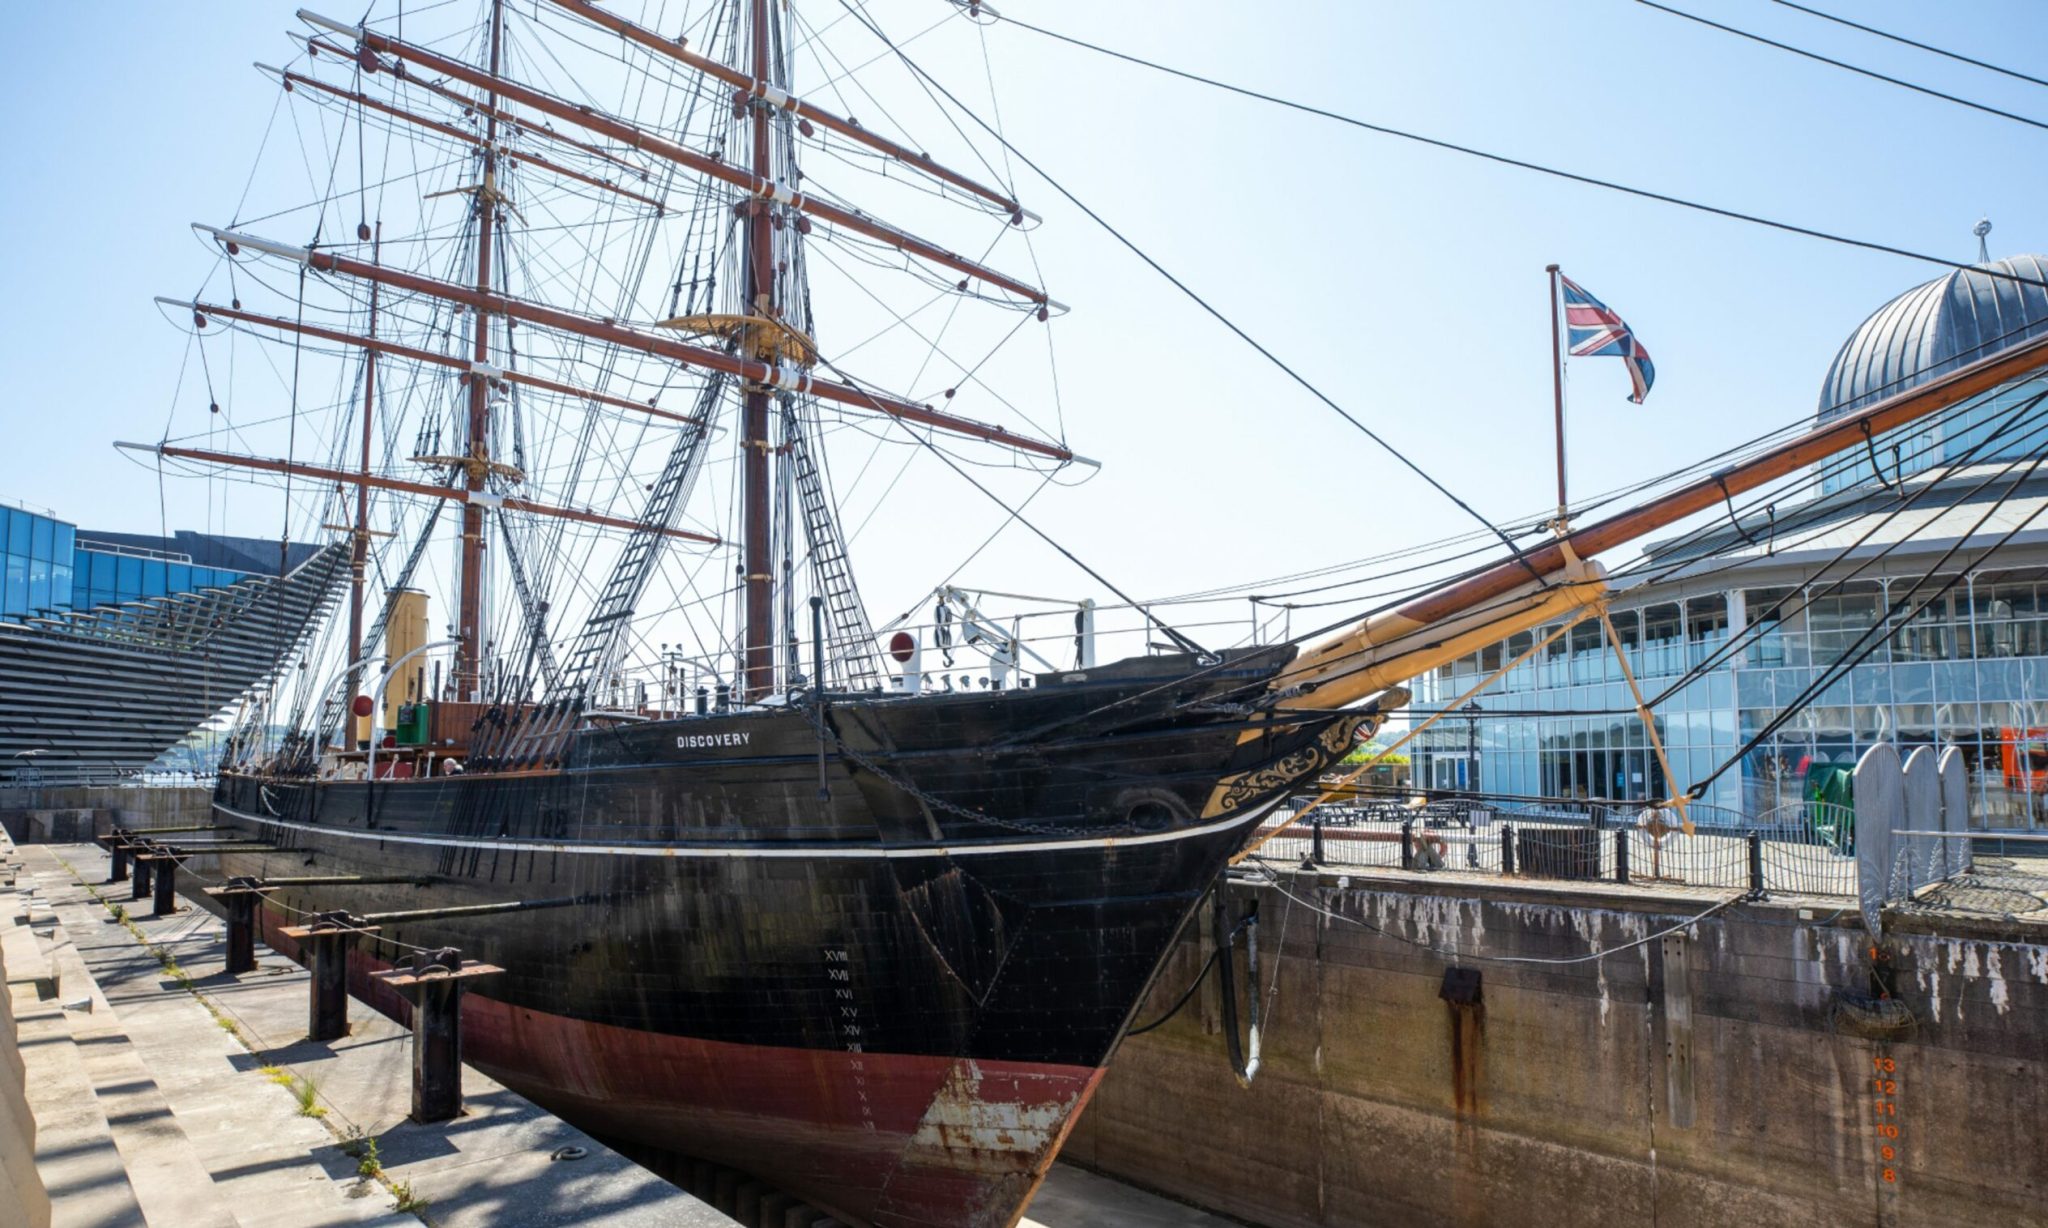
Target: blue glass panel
[
  {"x": 60, "y": 585},
  {"x": 14, "y": 597},
  {"x": 67, "y": 538},
  {"x": 19, "y": 531},
  {"x": 39, "y": 583},
  {"x": 153, "y": 577},
  {"x": 180, "y": 580},
  {"x": 127, "y": 578},
  {"x": 43, "y": 539}
]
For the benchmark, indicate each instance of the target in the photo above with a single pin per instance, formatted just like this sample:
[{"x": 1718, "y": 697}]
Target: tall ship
[{"x": 861, "y": 911}]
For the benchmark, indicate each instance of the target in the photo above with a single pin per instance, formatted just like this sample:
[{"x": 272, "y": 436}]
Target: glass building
[
  {"x": 52, "y": 568},
  {"x": 1760, "y": 609}
]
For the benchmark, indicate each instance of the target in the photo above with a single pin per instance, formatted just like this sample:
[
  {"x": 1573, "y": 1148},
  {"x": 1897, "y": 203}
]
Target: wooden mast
[
  {"x": 591, "y": 120},
  {"x": 759, "y": 87},
  {"x": 359, "y": 546},
  {"x": 470, "y": 591},
  {"x": 762, "y": 300}
]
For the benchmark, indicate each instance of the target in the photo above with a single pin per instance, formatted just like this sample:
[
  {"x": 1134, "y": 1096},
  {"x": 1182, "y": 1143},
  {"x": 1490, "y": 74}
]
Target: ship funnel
[{"x": 405, "y": 632}]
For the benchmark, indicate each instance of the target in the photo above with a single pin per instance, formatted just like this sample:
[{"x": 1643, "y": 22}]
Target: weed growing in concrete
[
  {"x": 308, "y": 1094},
  {"x": 408, "y": 1201},
  {"x": 367, "y": 1163},
  {"x": 354, "y": 1143}
]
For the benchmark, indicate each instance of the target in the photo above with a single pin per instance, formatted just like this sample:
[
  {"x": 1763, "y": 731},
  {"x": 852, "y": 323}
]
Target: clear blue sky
[{"x": 1407, "y": 282}]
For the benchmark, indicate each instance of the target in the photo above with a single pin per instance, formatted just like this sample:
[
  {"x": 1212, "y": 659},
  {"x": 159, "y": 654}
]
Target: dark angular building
[{"x": 115, "y": 646}]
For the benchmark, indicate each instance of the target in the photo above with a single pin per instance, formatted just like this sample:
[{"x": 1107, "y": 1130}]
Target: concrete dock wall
[
  {"x": 61, "y": 815},
  {"x": 1714, "y": 1078}
]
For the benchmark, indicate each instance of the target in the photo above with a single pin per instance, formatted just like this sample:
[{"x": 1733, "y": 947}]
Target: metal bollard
[
  {"x": 1315, "y": 838},
  {"x": 1756, "y": 864},
  {"x": 164, "y": 881},
  {"x": 1407, "y": 844},
  {"x": 1621, "y": 854},
  {"x": 1507, "y": 848}
]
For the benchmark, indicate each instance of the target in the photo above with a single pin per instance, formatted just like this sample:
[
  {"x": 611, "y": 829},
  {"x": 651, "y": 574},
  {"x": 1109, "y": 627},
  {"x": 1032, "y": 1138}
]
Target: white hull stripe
[{"x": 813, "y": 851}]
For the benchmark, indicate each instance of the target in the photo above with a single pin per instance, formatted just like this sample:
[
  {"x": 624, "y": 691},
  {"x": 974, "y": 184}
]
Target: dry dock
[
  {"x": 1619, "y": 1063},
  {"x": 161, "y": 1092}
]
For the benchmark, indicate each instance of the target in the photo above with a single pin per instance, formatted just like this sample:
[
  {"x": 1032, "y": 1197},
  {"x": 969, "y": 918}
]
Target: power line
[
  {"x": 1522, "y": 163},
  {"x": 1183, "y": 287},
  {"x": 1962, "y": 59},
  {"x": 1843, "y": 64}
]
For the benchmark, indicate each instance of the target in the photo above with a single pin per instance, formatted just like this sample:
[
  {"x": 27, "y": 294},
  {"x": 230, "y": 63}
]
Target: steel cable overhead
[
  {"x": 1844, "y": 65},
  {"x": 1180, "y": 285},
  {"x": 1522, "y": 163},
  {"x": 1898, "y": 38}
]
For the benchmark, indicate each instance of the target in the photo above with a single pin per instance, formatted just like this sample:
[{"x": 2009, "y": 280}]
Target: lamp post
[{"x": 1471, "y": 711}]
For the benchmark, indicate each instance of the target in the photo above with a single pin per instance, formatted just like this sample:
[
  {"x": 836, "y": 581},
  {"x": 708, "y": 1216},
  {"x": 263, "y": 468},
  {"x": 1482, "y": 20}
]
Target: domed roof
[{"x": 1934, "y": 328}]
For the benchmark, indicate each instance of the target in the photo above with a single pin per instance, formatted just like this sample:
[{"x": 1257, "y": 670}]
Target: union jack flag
[{"x": 1592, "y": 331}]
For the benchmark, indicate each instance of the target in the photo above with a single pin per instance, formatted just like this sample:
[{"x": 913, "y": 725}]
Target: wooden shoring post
[
  {"x": 1335, "y": 789},
  {"x": 164, "y": 883},
  {"x": 138, "y": 886},
  {"x": 117, "y": 854},
  {"x": 239, "y": 897},
  {"x": 433, "y": 982},
  {"x": 1678, "y": 799},
  {"x": 326, "y": 942}
]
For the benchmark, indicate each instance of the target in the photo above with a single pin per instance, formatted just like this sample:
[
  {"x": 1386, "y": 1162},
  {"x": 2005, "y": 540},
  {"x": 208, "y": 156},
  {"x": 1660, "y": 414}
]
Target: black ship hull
[{"x": 878, "y": 954}]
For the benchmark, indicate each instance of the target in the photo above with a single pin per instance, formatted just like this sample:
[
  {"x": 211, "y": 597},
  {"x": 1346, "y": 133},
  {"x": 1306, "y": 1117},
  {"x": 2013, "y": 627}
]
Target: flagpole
[{"x": 1557, "y": 383}]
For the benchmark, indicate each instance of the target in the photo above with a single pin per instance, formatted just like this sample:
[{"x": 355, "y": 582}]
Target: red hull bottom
[{"x": 892, "y": 1140}]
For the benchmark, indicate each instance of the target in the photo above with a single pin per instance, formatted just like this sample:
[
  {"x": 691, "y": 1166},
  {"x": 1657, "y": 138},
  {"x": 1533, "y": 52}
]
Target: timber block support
[
  {"x": 239, "y": 897},
  {"x": 327, "y": 942},
  {"x": 163, "y": 882},
  {"x": 433, "y": 982},
  {"x": 138, "y": 885},
  {"x": 116, "y": 845}
]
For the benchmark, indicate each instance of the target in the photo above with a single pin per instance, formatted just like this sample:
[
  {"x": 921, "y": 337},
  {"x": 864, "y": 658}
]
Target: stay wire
[
  {"x": 1524, "y": 164},
  {"x": 1183, "y": 287},
  {"x": 1017, "y": 515},
  {"x": 1901, "y": 39},
  {"x": 1889, "y": 624},
  {"x": 1844, "y": 65}
]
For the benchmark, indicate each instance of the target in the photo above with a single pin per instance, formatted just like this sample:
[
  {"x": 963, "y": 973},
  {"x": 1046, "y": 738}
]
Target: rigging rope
[
  {"x": 1519, "y": 163},
  {"x": 1185, "y": 289},
  {"x": 1843, "y": 64}
]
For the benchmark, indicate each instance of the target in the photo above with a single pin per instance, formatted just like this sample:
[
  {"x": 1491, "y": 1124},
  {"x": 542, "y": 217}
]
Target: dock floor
[{"x": 196, "y": 1095}]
